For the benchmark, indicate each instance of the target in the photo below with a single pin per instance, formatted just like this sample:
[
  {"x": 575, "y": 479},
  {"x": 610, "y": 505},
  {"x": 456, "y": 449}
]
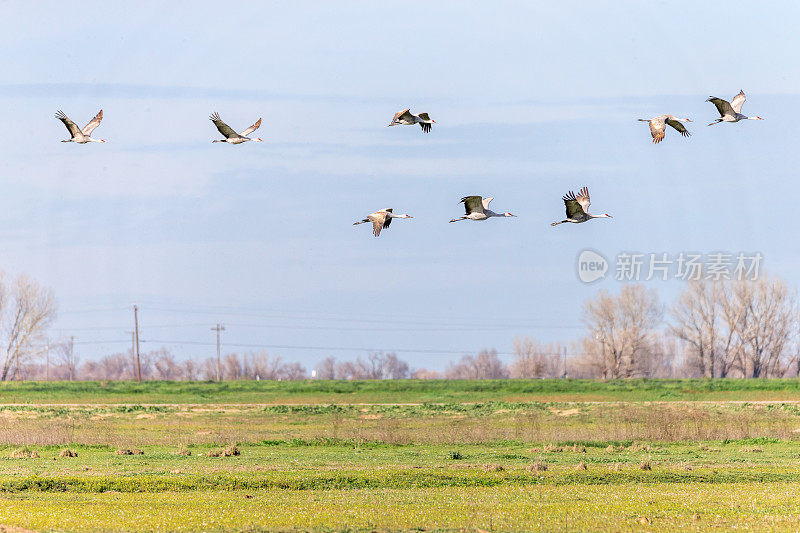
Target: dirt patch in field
[
  {"x": 566, "y": 412},
  {"x": 14, "y": 529}
]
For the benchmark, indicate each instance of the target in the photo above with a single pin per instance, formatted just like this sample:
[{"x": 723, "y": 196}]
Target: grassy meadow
[{"x": 643, "y": 455}]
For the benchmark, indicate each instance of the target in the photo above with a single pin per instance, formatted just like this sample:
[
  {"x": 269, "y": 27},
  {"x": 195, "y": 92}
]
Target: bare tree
[
  {"x": 67, "y": 358},
  {"x": 704, "y": 319},
  {"x": 766, "y": 328},
  {"x": 165, "y": 367},
  {"x": 486, "y": 365},
  {"x": 26, "y": 311},
  {"x": 534, "y": 360},
  {"x": 326, "y": 369},
  {"x": 621, "y": 332}
]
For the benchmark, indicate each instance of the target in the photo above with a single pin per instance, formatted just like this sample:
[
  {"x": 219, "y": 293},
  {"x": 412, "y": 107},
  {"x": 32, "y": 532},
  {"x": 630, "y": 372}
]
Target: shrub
[
  {"x": 68, "y": 453},
  {"x": 456, "y": 455}
]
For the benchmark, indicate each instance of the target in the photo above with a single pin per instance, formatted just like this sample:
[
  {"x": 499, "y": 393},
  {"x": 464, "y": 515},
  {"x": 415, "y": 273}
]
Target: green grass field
[{"x": 533, "y": 456}]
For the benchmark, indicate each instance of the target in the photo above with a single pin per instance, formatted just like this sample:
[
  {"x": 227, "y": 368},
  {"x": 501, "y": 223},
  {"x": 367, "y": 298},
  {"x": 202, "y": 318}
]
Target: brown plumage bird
[
  {"x": 380, "y": 219},
  {"x": 658, "y": 126}
]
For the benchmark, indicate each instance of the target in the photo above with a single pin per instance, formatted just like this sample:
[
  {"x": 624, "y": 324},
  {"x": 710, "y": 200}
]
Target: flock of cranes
[{"x": 476, "y": 207}]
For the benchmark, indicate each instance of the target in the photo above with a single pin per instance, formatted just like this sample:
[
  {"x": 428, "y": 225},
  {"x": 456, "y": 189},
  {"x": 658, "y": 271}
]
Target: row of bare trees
[{"x": 721, "y": 328}]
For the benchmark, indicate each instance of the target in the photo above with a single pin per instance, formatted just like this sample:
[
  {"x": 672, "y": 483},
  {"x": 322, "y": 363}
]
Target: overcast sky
[{"x": 530, "y": 99}]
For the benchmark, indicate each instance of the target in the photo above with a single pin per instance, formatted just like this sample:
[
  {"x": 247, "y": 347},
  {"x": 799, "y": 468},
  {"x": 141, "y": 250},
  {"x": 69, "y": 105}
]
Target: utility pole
[
  {"x": 564, "y": 376},
  {"x": 47, "y": 359},
  {"x": 218, "y": 328},
  {"x": 136, "y": 337}
]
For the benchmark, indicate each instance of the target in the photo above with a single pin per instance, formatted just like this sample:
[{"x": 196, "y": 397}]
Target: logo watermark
[
  {"x": 591, "y": 266},
  {"x": 685, "y": 266}
]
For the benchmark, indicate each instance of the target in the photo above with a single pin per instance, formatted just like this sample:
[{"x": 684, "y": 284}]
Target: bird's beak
[{"x": 689, "y": 120}]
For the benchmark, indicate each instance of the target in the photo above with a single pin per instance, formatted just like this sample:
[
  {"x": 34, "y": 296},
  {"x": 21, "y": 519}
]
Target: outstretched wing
[
  {"x": 473, "y": 204},
  {"x": 378, "y": 222},
  {"x": 723, "y": 106},
  {"x": 486, "y": 201},
  {"x": 424, "y": 116},
  {"x": 71, "y": 126},
  {"x": 678, "y": 125},
  {"x": 583, "y": 199},
  {"x": 573, "y": 205},
  {"x": 657, "y": 129},
  {"x": 223, "y": 128},
  {"x": 404, "y": 114},
  {"x": 89, "y": 128},
  {"x": 738, "y": 101},
  {"x": 252, "y": 128}
]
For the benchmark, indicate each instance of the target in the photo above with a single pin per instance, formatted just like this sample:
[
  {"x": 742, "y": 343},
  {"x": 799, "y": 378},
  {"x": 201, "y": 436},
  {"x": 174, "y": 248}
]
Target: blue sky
[{"x": 531, "y": 100}]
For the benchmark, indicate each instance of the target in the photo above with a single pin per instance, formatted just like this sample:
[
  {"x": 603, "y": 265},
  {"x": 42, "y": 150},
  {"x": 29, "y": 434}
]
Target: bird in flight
[
  {"x": 477, "y": 208},
  {"x": 406, "y": 118},
  {"x": 730, "y": 111},
  {"x": 231, "y": 137},
  {"x": 658, "y": 126},
  {"x": 577, "y": 207},
  {"x": 80, "y": 136},
  {"x": 380, "y": 219}
]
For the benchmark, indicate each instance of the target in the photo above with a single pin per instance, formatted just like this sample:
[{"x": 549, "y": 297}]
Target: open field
[
  {"x": 400, "y": 391},
  {"x": 490, "y": 464}
]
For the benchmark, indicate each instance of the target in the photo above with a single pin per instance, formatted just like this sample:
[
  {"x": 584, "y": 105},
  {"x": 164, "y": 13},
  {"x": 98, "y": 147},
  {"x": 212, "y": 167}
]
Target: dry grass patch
[
  {"x": 129, "y": 451},
  {"x": 230, "y": 450},
  {"x": 68, "y": 453},
  {"x": 753, "y": 450},
  {"x": 538, "y": 466},
  {"x": 24, "y": 453},
  {"x": 581, "y": 466},
  {"x": 646, "y": 464},
  {"x": 639, "y": 447},
  {"x": 183, "y": 450}
]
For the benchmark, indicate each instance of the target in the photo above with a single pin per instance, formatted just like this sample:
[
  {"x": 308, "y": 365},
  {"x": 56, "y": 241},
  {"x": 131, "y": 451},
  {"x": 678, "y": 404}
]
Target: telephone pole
[
  {"x": 218, "y": 328},
  {"x": 136, "y": 337}
]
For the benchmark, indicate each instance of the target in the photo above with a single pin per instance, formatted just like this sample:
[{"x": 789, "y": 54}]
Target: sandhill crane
[
  {"x": 477, "y": 208},
  {"x": 577, "y": 208},
  {"x": 231, "y": 136},
  {"x": 380, "y": 219},
  {"x": 658, "y": 126},
  {"x": 406, "y": 118},
  {"x": 730, "y": 111},
  {"x": 81, "y": 136}
]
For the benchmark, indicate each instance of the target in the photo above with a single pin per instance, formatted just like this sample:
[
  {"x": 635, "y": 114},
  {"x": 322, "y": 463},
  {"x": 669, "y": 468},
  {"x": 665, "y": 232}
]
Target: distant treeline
[{"x": 716, "y": 328}]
